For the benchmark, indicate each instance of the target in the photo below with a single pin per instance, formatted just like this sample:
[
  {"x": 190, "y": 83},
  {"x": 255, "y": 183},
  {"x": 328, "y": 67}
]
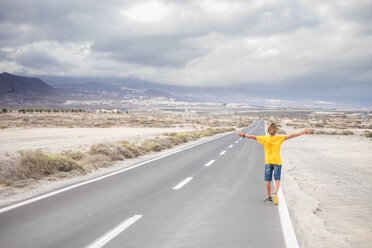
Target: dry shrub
[
  {"x": 324, "y": 132},
  {"x": 346, "y": 132},
  {"x": 204, "y": 133},
  {"x": 113, "y": 151},
  {"x": 36, "y": 164},
  {"x": 298, "y": 126},
  {"x": 184, "y": 137},
  {"x": 170, "y": 134},
  {"x": 159, "y": 144},
  {"x": 151, "y": 146},
  {"x": 179, "y": 139},
  {"x": 8, "y": 172},
  {"x": 190, "y": 136},
  {"x": 164, "y": 143},
  {"x": 94, "y": 161},
  {"x": 368, "y": 134},
  {"x": 130, "y": 150},
  {"x": 75, "y": 155},
  {"x": 213, "y": 131},
  {"x": 176, "y": 140}
]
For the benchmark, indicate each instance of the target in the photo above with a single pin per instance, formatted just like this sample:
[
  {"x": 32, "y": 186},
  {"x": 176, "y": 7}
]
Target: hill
[
  {"x": 10, "y": 83},
  {"x": 18, "y": 89}
]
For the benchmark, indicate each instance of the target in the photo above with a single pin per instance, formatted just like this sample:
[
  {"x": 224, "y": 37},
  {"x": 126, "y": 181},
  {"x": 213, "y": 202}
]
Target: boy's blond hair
[{"x": 272, "y": 129}]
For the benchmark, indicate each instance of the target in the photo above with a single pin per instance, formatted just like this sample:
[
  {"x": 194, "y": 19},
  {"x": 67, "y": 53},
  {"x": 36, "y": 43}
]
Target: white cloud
[
  {"x": 148, "y": 12},
  {"x": 276, "y": 42}
]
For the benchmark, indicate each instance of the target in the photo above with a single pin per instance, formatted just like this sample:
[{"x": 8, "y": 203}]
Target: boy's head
[{"x": 272, "y": 129}]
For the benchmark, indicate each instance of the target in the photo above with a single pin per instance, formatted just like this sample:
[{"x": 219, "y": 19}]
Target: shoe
[
  {"x": 269, "y": 199},
  {"x": 275, "y": 198}
]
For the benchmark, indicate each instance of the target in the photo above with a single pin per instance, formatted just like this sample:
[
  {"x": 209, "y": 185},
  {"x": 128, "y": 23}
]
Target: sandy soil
[
  {"x": 59, "y": 139},
  {"x": 327, "y": 184}
]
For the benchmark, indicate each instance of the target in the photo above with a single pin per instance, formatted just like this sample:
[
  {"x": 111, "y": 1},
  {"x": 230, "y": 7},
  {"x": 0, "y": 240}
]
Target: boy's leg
[
  {"x": 269, "y": 168},
  {"x": 268, "y": 188},
  {"x": 277, "y": 175},
  {"x": 277, "y": 185}
]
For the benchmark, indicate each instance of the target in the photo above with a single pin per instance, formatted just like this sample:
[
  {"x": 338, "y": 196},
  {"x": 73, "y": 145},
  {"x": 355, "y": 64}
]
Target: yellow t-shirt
[{"x": 272, "y": 148}]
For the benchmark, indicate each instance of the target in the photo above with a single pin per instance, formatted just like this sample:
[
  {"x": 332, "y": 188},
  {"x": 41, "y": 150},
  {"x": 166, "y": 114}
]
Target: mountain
[
  {"x": 57, "y": 91},
  {"x": 23, "y": 90},
  {"x": 113, "y": 88},
  {"x": 26, "y": 86},
  {"x": 121, "y": 87}
]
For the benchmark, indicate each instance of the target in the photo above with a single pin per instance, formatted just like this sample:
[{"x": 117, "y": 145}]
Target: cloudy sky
[{"x": 318, "y": 46}]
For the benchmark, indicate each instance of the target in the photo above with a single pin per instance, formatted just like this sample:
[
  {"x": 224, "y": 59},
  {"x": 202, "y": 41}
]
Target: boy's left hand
[{"x": 240, "y": 133}]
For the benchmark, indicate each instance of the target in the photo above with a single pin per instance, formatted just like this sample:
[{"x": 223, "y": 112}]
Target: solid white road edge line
[
  {"x": 209, "y": 163},
  {"x": 114, "y": 232},
  {"x": 289, "y": 234},
  {"x": 183, "y": 183},
  {"x": 34, "y": 199},
  {"x": 223, "y": 152},
  {"x": 285, "y": 220}
]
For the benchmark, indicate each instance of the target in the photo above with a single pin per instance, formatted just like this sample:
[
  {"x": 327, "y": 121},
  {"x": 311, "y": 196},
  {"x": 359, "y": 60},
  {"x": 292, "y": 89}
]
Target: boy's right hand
[
  {"x": 307, "y": 130},
  {"x": 240, "y": 133}
]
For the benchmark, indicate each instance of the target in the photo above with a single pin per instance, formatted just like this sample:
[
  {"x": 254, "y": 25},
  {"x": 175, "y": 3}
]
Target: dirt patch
[
  {"x": 59, "y": 139},
  {"x": 326, "y": 182}
]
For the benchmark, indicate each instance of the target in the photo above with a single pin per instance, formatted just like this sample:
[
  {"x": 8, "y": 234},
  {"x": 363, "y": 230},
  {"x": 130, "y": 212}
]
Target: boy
[{"x": 273, "y": 161}]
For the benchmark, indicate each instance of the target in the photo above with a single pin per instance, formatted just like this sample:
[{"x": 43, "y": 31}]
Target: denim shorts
[{"x": 269, "y": 169}]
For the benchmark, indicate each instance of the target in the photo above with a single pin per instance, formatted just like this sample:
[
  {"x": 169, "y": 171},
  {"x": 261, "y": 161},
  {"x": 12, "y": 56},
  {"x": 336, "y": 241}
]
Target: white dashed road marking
[
  {"x": 114, "y": 232},
  {"x": 231, "y": 146},
  {"x": 183, "y": 183},
  {"x": 209, "y": 163},
  {"x": 223, "y": 152}
]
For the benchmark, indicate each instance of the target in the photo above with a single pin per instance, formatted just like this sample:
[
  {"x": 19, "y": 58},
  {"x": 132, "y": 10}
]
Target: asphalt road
[{"x": 209, "y": 195}]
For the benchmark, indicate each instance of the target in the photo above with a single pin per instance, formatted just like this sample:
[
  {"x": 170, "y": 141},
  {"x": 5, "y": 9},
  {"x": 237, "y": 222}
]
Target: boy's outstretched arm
[
  {"x": 240, "y": 133},
  {"x": 306, "y": 131}
]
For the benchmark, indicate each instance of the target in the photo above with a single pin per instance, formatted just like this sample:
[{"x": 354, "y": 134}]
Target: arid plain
[{"x": 326, "y": 175}]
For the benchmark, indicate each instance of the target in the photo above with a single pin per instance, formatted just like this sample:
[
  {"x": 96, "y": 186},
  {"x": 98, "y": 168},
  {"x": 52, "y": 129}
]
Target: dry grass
[
  {"x": 111, "y": 150},
  {"x": 36, "y": 164},
  {"x": 130, "y": 150},
  {"x": 95, "y": 161}
]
